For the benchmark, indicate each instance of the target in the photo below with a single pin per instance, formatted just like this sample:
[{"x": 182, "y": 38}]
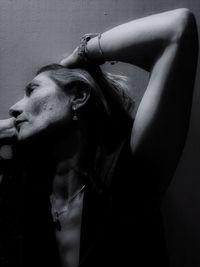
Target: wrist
[
  {"x": 94, "y": 51},
  {"x": 89, "y": 49}
]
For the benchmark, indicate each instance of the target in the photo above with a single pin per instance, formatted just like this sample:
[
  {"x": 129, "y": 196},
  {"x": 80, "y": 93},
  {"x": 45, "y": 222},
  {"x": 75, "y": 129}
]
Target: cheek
[
  {"x": 38, "y": 106},
  {"x": 48, "y": 109}
]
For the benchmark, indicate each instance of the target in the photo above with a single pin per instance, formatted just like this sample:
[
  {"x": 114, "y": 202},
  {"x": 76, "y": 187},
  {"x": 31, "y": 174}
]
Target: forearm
[{"x": 140, "y": 42}]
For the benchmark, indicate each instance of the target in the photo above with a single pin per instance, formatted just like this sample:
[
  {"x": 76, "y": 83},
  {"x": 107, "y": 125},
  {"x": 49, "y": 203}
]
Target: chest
[{"x": 68, "y": 231}]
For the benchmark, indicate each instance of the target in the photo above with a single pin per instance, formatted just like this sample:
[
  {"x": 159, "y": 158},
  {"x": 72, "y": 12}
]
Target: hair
[
  {"x": 109, "y": 92},
  {"x": 110, "y": 106}
]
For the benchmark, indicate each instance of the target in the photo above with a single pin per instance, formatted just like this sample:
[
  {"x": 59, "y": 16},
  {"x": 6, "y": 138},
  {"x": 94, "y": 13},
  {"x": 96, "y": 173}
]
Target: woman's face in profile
[{"x": 43, "y": 109}]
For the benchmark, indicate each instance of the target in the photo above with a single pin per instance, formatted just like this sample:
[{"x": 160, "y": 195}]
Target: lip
[{"x": 18, "y": 123}]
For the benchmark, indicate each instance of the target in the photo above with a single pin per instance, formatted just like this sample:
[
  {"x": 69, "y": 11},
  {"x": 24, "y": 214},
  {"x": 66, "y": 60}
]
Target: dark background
[{"x": 38, "y": 32}]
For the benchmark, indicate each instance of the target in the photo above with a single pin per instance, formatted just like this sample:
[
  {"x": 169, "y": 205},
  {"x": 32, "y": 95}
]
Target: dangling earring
[{"x": 75, "y": 117}]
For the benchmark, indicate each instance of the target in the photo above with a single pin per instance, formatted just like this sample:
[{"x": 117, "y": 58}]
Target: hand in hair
[{"x": 72, "y": 61}]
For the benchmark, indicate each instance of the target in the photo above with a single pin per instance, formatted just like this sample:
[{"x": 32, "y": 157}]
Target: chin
[
  {"x": 36, "y": 138},
  {"x": 26, "y": 136},
  {"x": 22, "y": 138}
]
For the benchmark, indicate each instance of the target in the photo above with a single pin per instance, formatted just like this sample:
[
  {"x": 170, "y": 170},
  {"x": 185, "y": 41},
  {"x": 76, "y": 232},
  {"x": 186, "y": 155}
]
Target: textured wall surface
[{"x": 38, "y": 32}]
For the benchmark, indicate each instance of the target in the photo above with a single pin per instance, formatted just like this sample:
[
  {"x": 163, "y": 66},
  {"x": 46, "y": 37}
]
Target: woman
[{"x": 104, "y": 170}]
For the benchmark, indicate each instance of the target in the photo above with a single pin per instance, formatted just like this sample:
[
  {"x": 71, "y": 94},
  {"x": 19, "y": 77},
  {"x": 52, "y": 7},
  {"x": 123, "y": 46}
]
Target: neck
[{"x": 71, "y": 159}]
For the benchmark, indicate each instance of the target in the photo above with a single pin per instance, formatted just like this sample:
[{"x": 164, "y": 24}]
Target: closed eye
[{"x": 30, "y": 88}]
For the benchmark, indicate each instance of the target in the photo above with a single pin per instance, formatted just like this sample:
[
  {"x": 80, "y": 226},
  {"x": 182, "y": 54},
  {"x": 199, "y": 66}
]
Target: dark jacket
[{"x": 122, "y": 225}]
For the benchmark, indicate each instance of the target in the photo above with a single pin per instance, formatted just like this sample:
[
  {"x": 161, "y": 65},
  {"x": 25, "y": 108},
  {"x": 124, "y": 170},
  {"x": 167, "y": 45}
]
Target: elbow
[{"x": 185, "y": 26}]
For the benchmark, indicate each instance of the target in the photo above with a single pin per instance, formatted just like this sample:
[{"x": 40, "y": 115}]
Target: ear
[{"x": 80, "y": 96}]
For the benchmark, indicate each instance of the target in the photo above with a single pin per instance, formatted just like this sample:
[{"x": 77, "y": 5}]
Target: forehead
[{"x": 42, "y": 79}]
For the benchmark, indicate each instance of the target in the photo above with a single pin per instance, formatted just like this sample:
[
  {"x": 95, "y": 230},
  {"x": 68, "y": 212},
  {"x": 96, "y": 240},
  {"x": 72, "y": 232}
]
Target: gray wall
[{"x": 38, "y": 32}]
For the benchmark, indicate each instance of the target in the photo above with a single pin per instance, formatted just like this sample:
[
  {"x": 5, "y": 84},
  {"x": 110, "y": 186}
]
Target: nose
[{"x": 17, "y": 109}]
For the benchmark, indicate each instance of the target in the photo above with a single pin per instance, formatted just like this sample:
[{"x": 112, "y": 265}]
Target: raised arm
[{"x": 166, "y": 45}]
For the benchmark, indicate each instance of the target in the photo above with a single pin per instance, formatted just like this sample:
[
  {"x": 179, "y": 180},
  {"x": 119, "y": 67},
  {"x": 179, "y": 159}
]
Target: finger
[
  {"x": 7, "y": 123},
  {"x": 63, "y": 62},
  {"x": 7, "y": 129},
  {"x": 65, "y": 59},
  {"x": 8, "y": 134},
  {"x": 67, "y": 62},
  {"x": 66, "y": 55},
  {"x": 71, "y": 60}
]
